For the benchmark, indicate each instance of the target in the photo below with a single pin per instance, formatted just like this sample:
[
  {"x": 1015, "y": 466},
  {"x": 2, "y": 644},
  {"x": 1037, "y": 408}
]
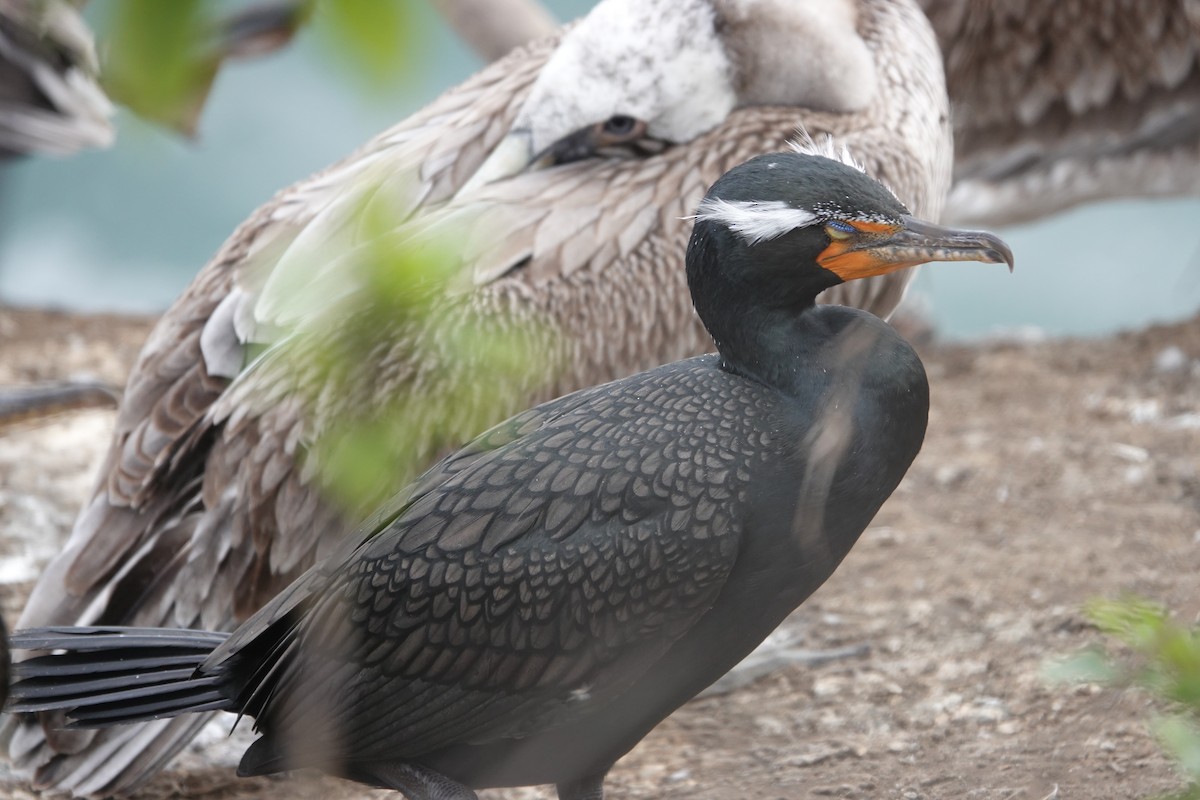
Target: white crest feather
[
  {"x": 824, "y": 146},
  {"x": 755, "y": 220}
]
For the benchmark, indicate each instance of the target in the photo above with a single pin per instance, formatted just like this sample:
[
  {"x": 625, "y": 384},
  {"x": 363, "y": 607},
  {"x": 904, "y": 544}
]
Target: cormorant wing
[{"x": 540, "y": 571}]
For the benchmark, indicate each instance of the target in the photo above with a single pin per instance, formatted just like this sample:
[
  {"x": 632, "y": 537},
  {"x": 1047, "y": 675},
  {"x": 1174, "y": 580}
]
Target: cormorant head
[
  {"x": 636, "y": 76},
  {"x": 779, "y": 229}
]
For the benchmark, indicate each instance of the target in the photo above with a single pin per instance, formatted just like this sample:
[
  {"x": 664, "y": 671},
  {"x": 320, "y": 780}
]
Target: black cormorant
[{"x": 539, "y": 600}]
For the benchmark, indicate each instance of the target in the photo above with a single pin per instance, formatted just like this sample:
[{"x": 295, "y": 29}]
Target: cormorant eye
[
  {"x": 619, "y": 125},
  {"x": 839, "y": 230}
]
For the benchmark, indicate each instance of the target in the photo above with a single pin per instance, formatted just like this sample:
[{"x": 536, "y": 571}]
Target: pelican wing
[
  {"x": 1062, "y": 103},
  {"x": 180, "y": 526}
]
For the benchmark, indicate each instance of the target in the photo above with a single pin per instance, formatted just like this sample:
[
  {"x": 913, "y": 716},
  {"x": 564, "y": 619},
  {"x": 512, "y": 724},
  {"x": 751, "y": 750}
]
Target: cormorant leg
[
  {"x": 413, "y": 781},
  {"x": 588, "y": 788}
]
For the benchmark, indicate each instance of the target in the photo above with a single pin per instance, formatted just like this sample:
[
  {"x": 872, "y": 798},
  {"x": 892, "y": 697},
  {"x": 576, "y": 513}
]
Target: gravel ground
[{"x": 1052, "y": 473}]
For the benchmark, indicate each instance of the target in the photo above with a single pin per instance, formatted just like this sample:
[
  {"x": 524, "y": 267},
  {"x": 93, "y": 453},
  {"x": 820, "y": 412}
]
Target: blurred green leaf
[
  {"x": 154, "y": 59},
  {"x": 1089, "y": 666},
  {"x": 357, "y": 460},
  {"x": 397, "y": 352},
  {"x": 376, "y": 37},
  {"x": 1181, "y": 736},
  {"x": 1133, "y": 620},
  {"x": 1156, "y": 654},
  {"x": 160, "y": 57}
]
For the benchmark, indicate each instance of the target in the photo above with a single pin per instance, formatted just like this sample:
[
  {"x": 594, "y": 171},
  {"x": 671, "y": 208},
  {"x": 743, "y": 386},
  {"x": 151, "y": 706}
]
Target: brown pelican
[
  {"x": 583, "y": 154},
  {"x": 1054, "y": 104},
  {"x": 639, "y": 108}
]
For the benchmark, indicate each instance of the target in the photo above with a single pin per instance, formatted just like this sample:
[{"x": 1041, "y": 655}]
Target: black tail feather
[
  {"x": 81, "y": 640},
  {"x": 112, "y": 676},
  {"x": 115, "y": 688},
  {"x": 68, "y": 664}
]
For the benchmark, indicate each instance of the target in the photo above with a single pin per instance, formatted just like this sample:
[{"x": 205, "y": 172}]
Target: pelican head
[{"x": 636, "y": 76}]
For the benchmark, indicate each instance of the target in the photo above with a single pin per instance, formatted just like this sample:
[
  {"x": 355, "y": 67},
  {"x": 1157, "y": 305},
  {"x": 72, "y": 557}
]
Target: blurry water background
[{"x": 126, "y": 229}]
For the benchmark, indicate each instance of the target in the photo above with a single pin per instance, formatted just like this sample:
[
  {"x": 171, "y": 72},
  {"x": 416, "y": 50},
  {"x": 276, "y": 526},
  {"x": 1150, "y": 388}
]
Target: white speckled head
[
  {"x": 681, "y": 66},
  {"x": 798, "y": 52},
  {"x": 659, "y": 61}
]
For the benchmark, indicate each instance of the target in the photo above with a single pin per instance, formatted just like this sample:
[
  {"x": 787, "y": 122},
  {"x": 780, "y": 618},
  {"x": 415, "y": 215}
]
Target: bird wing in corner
[
  {"x": 50, "y": 100},
  {"x": 139, "y": 552},
  {"x": 1057, "y": 104}
]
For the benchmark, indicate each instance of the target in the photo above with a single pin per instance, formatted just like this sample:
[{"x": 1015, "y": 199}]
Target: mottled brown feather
[{"x": 1060, "y": 103}]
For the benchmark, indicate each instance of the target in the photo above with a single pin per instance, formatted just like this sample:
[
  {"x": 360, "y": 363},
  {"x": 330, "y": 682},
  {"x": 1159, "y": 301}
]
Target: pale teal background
[{"x": 127, "y": 228}]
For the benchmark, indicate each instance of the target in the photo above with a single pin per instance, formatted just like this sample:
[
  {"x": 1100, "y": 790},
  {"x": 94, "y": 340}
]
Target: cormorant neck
[
  {"x": 759, "y": 307},
  {"x": 775, "y": 346}
]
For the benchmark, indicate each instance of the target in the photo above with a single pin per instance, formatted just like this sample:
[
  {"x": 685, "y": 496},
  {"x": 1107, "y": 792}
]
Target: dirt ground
[{"x": 1052, "y": 473}]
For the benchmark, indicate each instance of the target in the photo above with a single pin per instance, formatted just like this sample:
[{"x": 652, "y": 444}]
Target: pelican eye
[
  {"x": 839, "y": 230},
  {"x": 620, "y": 125}
]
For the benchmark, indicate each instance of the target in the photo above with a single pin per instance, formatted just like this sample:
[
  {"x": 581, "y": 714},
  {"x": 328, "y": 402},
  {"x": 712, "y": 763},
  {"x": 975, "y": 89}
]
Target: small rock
[
  {"x": 919, "y": 610},
  {"x": 1144, "y": 411},
  {"x": 1184, "y": 422},
  {"x": 828, "y": 685},
  {"x": 982, "y": 710},
  {"x": 955, "y": 670},
  {"x": 1170, "y": 359},
  {"x": 815, "y": 755},
  {"x": 951, "y": 475},
  {"x": 884, "y": 535},
  {"x": 947, "y": 702},
  {"x": 770, "y": 726},
  {"x": 1131, "y": 453}
]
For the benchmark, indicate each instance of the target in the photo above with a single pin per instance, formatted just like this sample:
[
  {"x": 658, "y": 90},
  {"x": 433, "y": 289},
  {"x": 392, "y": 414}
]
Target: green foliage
[
  {"x": 154, "y": 59},
  {"x": 411, "y": 363},
  {"x": 373, "y": 36},
  {"x": 1181, "y": 735},
  {"x": 1157, "y": 654},
  {"x": 407, "y": 362},
  {"x": 160, "y": 57},
  {"x": 1089, "y": 666}
]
